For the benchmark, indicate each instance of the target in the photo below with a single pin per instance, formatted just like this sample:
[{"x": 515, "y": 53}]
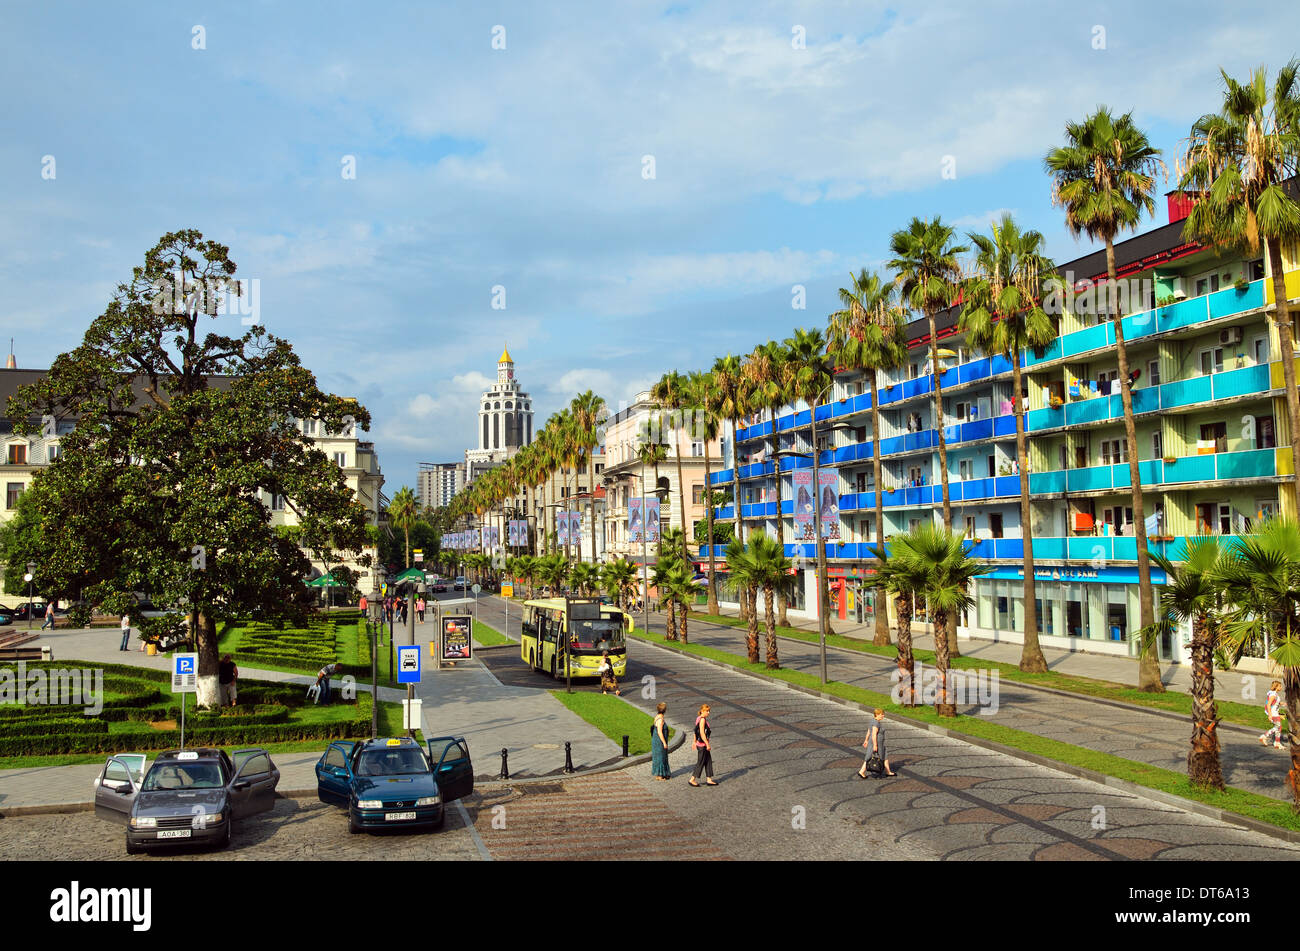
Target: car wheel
[
  {"x": 352, "y": 826},
  {"x": 225, "y": 841}
]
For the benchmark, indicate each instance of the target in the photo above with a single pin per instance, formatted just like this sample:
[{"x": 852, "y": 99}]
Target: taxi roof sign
[
  {"x": 188, "y": 754},
  {"x": 394, "y": 742}
]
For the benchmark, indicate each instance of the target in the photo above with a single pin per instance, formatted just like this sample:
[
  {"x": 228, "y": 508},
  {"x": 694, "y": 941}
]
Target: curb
[{"x": 1144, "y": 792}]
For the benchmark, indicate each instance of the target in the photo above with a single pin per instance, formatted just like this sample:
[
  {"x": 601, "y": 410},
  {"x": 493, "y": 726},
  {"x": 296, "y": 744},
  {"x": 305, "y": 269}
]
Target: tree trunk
[
  {"x": 209, "y": 693},
  {"x": 1031, "y": 655},
  {"x": 591, "y": 500},
  {"x": 1148, "y": 665},
  {"x": 782, "y": 620},
  {"x": 686, "y": 610},
  {"x": 768, "y": 596},
  {"x": 949, "y": 630},
  {"x": 1203, "y": 767},
  {"x": 735, "y": 502},
  {"x": 708, "y": 516},
  {"x": 943, "y": 704},
  {"x": 749, "y": 598},
  {"x": 881, "y": 600},
  {"x": 1286, "y": 338},
  {"x": 672, "y": 621},
  {"x": 681, "y": 493},
  {"x": 1291, "y": 683},
  {"x": 906, "y": 660}
]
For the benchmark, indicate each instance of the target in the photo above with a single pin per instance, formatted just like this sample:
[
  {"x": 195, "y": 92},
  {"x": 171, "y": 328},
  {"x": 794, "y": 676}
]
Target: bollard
[
  {"x": 625, "y": 739},
  {"x": 505, "y": 766},
  {"x": 568, "y": 757}
]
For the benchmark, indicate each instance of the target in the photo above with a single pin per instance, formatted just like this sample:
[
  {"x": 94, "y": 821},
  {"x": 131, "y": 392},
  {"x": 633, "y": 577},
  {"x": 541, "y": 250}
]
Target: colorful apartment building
[{"x": 1213, "y": 445}]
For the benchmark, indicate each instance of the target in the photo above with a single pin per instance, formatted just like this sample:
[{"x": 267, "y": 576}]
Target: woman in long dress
[
  {"x": 659, "y": 745},
  {"x": 608, "y": 681}
]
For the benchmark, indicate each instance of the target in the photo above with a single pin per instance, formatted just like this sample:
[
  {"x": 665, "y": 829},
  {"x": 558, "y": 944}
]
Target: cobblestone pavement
[
  {"x": 787, "y": 767},
  {"x": 295, "y": 830}
]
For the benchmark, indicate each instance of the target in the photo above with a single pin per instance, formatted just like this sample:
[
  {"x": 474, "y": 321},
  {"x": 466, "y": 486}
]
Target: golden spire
[{"x": 505, "y": 356}]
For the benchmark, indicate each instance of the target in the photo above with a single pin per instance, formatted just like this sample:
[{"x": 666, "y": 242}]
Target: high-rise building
[
  {"x": 438, "y": 482},
  {"x": 505, "y": 420}
]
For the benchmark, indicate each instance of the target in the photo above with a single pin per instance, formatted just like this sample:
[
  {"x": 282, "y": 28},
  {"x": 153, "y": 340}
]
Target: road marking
[{"x": 478, "y": 843}]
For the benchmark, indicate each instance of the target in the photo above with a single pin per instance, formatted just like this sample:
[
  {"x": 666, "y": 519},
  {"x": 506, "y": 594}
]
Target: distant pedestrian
[
  {"x": 364, "y": 605},
  {"x": 1273, "y": 710},
  {"x": 877, "y": 760},
  {"x": 607, "y": 679},
  {"x": 49, "y": 616},
  {"x": 703, "y": 748},
  {"x": 323, "y": 681},
  {"x": 659, "y": 745},
  {"x": 405, "y": 607},
  {"x": 419, "y": 607},
  {"x": 227, "y": 677},
  {"x": 126, "y": 632}
]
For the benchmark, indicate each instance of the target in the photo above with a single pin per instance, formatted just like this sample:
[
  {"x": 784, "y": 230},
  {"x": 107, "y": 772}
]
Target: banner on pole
[
  {"x": 635, "y": 520},
  {"x": 652, "y": 520},
  {"x": 828, "y": 484}
]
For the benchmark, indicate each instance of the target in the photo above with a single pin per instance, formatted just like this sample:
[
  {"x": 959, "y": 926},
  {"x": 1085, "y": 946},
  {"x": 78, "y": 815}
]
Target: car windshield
[
  {"x": 605, "y": 634},
  {"x": 184, "y": 776},
  {"x": 401, "y": 762}
]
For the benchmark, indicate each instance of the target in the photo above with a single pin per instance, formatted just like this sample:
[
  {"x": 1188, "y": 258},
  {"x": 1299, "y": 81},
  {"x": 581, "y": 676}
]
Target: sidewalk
[{"x": 464, "y": 701}]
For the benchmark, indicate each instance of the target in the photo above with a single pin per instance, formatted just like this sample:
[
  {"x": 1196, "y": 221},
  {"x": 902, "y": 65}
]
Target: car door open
[
  {"x": 116, "y": 789},
  {"x": 333, "y": 773},
  {"x": 254, "y": 768},
  {"x": 454, "y": 771}
]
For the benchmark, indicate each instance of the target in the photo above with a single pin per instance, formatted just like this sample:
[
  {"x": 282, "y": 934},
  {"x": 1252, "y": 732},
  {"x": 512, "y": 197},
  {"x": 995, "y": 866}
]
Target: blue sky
[{"x": 523, "y": 167}]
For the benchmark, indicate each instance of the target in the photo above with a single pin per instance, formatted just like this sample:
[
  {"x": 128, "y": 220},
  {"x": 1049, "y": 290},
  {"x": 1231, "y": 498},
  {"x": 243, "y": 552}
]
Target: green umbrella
[
  {"x": 325, "y": 581},
  {"x": 410, "y": 574}
]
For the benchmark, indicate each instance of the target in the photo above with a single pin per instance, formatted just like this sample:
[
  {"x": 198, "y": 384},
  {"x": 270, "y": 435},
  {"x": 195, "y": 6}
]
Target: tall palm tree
[
  {"x": 1260, "y": 578},
  {"x": 745, "y": 578},
  {"x": 588, "y": 411},
  {"x": 672, "y": 392},
  {"x": 403, "y": 511},
  {"x": 678, "y": 586},
  {"x": 1239, "y": 162},
  {"x": 586, "y": 578},
  {"x": 1104, "y": 178},
  {"x": 944, "y": 557},
  {"x": 766, "y": 373},
  {"x": 870, "y": 334},
  {"x": 660, "y": 579},
  {"x": 810, "y": 368},
  {"x": 619, "y": 579},
  {"x": 1002, "y": 315},
  {"x": 651, "y": 451},
  {"x": 772, "y": 572},
  {"x": 904, "y": 578},
  {"x": 926, "y": 269},
  {"x": 732, "y": 389},
  {"x": 705, "y": 397},
  {"x": 1192, "y": 593}
]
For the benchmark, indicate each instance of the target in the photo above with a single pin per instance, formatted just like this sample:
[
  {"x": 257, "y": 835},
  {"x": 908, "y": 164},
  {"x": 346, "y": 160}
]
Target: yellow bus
[{"x": 589, "y": 628}]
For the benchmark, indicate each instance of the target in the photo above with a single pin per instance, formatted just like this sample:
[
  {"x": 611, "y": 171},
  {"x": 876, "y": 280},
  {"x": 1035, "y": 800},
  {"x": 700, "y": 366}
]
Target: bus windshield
[{"x": 596, "y": 635}]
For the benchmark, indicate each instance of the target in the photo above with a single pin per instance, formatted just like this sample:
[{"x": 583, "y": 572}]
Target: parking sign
[
  {"x": 408, "y": 664},
  {"x": 185, "y": 673}
]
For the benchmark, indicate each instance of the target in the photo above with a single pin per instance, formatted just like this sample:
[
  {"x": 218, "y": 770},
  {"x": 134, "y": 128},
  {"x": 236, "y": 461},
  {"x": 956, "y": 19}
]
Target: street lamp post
[
  {"x": 374, "y": 666},
  {"x": 31, "y": 573}
]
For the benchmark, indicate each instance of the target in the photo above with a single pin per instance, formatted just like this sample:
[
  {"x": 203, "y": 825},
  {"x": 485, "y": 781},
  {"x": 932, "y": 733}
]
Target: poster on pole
[
  {"x": 562, "y": 528},
  {"x": 652, "y": 520},
  {"x": 491, "y": 538},
  {"x": 803, "y": 492},
  {"x": 828, "y": 484},
  {"x": 575, "y": 527},
  {"x": 457, "y": 639},
  {"x": 635, "y": 520},
  {"x": 517, "y": 533}
]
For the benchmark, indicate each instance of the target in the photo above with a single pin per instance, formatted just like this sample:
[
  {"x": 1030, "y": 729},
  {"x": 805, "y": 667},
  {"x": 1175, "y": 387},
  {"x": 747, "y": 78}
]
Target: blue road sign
[
  {"x": 185, "y": 673},
  {"x": 408, "y": 664}
]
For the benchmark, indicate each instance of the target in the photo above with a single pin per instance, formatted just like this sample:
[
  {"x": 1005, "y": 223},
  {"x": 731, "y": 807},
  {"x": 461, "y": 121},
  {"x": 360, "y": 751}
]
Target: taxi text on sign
[{"x": 408, "y": 664}]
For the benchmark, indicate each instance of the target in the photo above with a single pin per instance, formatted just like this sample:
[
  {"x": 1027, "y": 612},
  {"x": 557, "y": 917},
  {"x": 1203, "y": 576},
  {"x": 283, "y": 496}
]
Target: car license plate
[
  {"x": 398, "y": 816},
  {"x": 174, "y": 834}
]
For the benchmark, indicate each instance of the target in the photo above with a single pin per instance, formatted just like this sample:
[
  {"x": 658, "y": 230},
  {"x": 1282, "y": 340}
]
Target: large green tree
[
  {"x": 180, "y": 434},
  {"x": 1104, "y": 177}
]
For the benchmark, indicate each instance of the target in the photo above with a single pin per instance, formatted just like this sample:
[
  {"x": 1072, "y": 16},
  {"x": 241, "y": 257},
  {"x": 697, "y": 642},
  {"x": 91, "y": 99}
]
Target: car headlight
[
  {"x": 144, "y": 822},
  {"x": 369, "y": 804},
  {"x": 428, "y": 800},
  {"x": 214, "y": 817}
]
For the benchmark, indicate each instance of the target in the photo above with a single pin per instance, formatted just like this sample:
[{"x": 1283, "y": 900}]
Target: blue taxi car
[{"x": 390, "y": 783}]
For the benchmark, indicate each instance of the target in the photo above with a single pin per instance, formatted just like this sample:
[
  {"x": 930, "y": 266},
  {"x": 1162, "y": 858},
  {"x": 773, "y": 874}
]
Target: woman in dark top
[
  {"x": 875, "y": 743},
  {"x": 703, "y": 748}
]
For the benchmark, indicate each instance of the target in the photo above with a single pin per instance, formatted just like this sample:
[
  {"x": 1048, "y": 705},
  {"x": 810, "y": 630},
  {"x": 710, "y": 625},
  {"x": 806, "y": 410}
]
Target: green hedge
[{"x": 60, "y": 726}]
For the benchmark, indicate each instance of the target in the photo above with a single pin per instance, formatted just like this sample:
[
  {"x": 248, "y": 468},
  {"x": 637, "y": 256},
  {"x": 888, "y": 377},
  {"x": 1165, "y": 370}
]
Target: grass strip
[
  {"x": 1173, "y": 701},
  {"x": 487, "y": 636},
  {"x": 1239, "y": 801},
  {"x": 614, "y": 717}
]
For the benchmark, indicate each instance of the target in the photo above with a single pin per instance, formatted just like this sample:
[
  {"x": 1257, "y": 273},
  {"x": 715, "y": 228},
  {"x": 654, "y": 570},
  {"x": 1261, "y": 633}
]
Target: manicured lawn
[
  {"x": 487, "y": 636},
  {"x": 1229, "y": 711},
  {"x": 1261, "y": 808},
  {"x": 613, "y": 717}
]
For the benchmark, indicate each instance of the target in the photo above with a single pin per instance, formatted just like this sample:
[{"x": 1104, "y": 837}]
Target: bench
[
  {"x": 23, "y": 653},
  {"x": 14, "y": 638}
]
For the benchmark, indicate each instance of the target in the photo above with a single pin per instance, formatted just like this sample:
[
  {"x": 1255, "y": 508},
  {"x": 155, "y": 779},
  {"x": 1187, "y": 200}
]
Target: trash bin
[
  {"x": 151, "y": 648},
  {"x": 47, "y": 652}
]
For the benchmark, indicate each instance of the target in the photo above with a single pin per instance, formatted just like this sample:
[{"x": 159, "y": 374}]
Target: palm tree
[
  {"x": 588, "y": 411},
  {"x": 585, "y": 577},
  {"x": 745, "y": 578},
  {"x": 870, "y": 334},
  {"x": 1002, "y": 315},
  {"x": 619, "y": 578},
  {"x": 678, "y": 586},
  {"x": 1104, "y": 177},
  {"x": 732, "y": 390},
  {"x": 651, "y": 451},
  {"x": 403, "y": 511},
  {"x": 904, "y": 577},
  {"x": 553, "y": 569},
  {"x": 672, "y": 393},
  {"x": 926, "y": 270},
  {"x": 1239, "y": 162},
  {"x": 526, "y": 566},
  {"x": 944, "y": 559},
  {"x": 1260, "y": 577},
  {"x": 766, "y": 374},
  {"x": 1192, "y": 593},
  {"x": 810, "y": 372},
  {"x": 706, "y": 397},
  {"x": 660, "y": 579},
  {"x": 772, "y": 572}
]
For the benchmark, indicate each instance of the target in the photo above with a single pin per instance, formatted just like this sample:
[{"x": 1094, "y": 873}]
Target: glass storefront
[{"x": 1085, "y": 610}]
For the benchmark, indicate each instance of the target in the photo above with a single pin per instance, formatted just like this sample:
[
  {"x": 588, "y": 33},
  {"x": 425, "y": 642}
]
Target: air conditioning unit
[{"x": 1231, "y": 335}]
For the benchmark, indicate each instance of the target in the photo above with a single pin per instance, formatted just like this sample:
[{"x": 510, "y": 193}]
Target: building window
[
  {"x": 1157, "y": 445},
  {"x": 341, "y": 460},
  {"x": 1211, "y": 361},
  {"x": 1153, "y": 372},
  {"x": 697, "y": 448},
  {"x": 12, "y": 493},
  {"x": 970, "y": 526},
  {"x": 53, "y": 451},
  {"x": 18, "y": 454},
  {"x": 1214, "y": 438},
  {"x": 697, "y": 495},
  {"x": 1265, "y": 437},
  {"x": 277, "y": 502},
  {"x": 1114, "y": 451}
]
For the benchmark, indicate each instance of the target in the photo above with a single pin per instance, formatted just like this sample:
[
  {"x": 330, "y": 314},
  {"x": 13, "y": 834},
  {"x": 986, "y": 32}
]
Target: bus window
[{"x": 605, "y": 633}]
